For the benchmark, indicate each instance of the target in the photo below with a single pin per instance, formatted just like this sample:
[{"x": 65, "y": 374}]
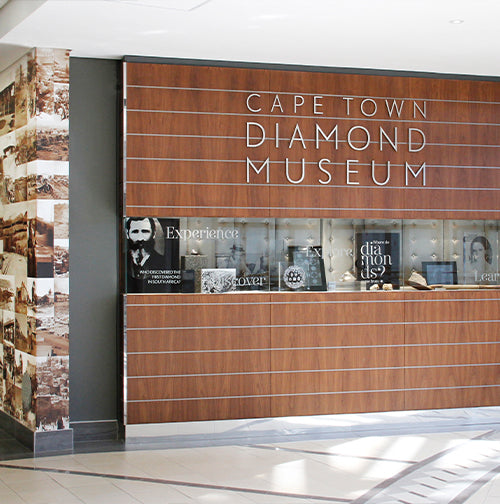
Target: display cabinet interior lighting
[{"x": 180, "y": 255}]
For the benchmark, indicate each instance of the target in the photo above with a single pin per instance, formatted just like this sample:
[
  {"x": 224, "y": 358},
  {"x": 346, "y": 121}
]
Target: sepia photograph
[
  {"x": 52, "y": 403},
  {"x": 44, "y": 248},
  {"x": 8, "y": 359},
  {"x": 25, "y": 382},
  {"x": 26, "y": 144},
  {"x": 2, "y": 388},
  {"x": 9, "y": 378},
  {"x": 44, "y": 299},
  {"x": 31, "y": 324},
  {"x": 31, "y": 252},
  {"x": 61, "y": 316},
  {"x": 61, "y": 221},
  {"x": 52, "y": 107},
  {"x": 20, "y": 185},
  {"x": 7, "y": 109},
  {"x": 7, "y": 293},
  {"x": 48, "y": 180},
  {"x": 13, "y": 227},
  {"x": 15, "y": 186},
  {"x": 23, "y": 295},
  {"x": 45, "y": 81},
  {"x": 30, "y": 286},
  {"x": 22, "y": 100},
  {"x": 61, "y": 66},
  {"x": 61, "y": 258},
  {"x": 52, "y": 316},
  {"x": 9, "y": 318},
  {"x": 7, "y": 168},
  {"x": 61, "y": 100},
  {"x": 21, "y": 333},
  {"x": 52, "y": 140},
  {"x": 31, "y": 72}
]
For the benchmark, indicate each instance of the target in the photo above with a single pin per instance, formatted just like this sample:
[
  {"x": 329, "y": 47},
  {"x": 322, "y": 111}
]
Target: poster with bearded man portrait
[{"x": 152, "y": 257}]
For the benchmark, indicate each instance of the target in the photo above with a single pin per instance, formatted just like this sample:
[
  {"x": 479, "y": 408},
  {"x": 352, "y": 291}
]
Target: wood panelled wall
[
  {"x": 186, "y": 144},
  {"x": 199, "y": 357}
]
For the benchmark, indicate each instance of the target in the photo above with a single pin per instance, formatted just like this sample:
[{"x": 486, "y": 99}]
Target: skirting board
[
  {"x": 269, "y": 430},
  {"x": 97, "y": 430},
  {"x": 40, "y": 442}
]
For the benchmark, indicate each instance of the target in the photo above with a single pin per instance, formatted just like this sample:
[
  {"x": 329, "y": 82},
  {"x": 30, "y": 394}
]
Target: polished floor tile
[{"x": 430, "y": 465}]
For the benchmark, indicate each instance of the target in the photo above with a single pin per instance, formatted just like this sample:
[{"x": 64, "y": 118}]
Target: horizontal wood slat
[
  {"x": 176, "y": 364},
  {"x": 453, "y": 376},
  {"x": 197, "y": 340},
  {"x": 179, "y": 411},
  {"x": 201, "y": 124},
  {"x": 329, "y": 404},
  {"x": 453, "y": 354},
  {"x": 197, "y": 387},
  {"x": 237, "y": 356},
  {"x": 446, "y": 397},
  {"x": 337, "y": 381},
  {"x": 210, "y": 314}
]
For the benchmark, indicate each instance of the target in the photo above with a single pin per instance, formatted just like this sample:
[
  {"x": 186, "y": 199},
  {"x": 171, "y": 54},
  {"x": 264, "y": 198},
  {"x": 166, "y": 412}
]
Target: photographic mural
[{"x": 34, "y": 240}]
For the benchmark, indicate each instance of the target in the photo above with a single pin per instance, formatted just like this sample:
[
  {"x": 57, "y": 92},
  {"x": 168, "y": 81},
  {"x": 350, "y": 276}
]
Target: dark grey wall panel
[{"x": 93, "y": 239}]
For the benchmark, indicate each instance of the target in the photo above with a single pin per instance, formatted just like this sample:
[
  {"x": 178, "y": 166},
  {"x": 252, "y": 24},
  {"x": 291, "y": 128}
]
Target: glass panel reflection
[{"x": 219, "y": 255}]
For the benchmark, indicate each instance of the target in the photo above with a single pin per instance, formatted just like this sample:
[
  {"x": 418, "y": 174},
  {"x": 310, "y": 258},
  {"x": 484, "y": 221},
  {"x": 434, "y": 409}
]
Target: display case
[{"x": 228, "y": 255}]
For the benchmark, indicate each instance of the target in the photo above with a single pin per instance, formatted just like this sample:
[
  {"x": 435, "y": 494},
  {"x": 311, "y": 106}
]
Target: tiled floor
[{"x": 417, "y": 458}]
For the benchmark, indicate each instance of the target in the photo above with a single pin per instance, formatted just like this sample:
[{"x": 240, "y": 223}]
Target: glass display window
[{"x": 228, "y": 255}]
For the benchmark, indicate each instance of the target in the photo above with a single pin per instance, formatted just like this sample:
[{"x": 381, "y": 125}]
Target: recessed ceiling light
[{"x": 456, "y": 21}]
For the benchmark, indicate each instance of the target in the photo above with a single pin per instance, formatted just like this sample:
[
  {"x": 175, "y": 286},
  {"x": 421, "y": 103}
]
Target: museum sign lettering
[{"x": 308, "y": 135}]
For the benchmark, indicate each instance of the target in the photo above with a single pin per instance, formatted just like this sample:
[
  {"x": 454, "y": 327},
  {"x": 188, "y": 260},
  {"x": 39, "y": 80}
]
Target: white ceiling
[{"x": 414, "y": 35}]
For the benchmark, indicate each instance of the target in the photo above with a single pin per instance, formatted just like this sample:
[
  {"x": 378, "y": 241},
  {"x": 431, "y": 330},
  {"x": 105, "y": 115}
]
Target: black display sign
[{"x": 377, "y": 258}]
